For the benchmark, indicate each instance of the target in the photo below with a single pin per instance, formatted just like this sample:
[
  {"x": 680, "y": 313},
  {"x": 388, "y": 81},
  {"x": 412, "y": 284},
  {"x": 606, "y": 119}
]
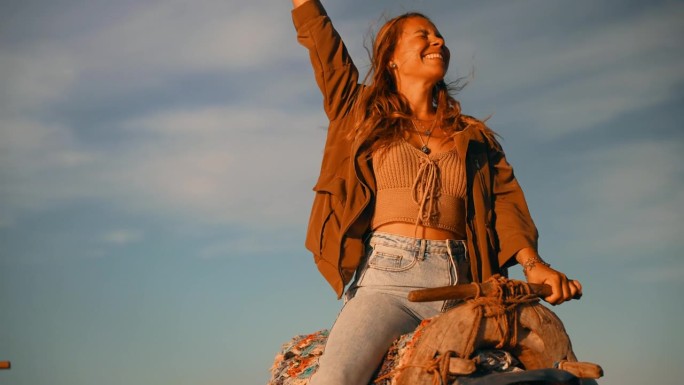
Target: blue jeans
[{"x": 376, "y": 309}]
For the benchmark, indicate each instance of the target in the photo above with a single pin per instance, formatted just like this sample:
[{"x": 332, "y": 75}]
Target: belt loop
[
  {"x": 422, "y": 244},
  {"x": 448, "y": 246}
]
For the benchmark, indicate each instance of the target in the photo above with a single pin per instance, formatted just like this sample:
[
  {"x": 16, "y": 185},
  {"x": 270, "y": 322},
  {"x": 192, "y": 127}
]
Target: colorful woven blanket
[{"x": 297, "y": 361}]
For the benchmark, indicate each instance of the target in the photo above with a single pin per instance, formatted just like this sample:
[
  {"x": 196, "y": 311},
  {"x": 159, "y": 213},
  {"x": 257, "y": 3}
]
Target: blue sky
[{"x": 157, "y": 159}]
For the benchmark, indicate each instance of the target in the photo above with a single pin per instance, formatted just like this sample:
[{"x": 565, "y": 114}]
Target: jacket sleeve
[
  {"x": 513, "y": 223},
  {"x": 335, "y": 73}
]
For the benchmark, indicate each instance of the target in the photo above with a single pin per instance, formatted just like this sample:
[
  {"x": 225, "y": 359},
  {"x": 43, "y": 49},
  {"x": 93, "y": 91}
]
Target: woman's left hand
[{"x": 563, "y": 289}]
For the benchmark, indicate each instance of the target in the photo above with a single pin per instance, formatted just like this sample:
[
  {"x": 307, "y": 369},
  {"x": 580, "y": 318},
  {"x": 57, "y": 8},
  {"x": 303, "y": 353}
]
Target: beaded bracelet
[{"x": 531, "y": 263}]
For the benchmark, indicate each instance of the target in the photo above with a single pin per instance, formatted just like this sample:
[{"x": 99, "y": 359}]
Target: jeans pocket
[
  {"x": 389, "y": 258},
  {"x": 388, "y": 266}
]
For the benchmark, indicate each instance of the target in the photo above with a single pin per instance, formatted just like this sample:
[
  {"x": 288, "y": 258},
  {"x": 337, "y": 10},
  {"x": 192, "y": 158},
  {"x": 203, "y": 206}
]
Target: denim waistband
[{"x": 430, "y": 246}]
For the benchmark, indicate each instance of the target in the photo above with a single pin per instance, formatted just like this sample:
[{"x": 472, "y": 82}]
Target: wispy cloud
[
  {"x": 141, "y": 46},
  {"x": 163, "y": 36},
  {"x": 629, "y": 198},
  {"x": 41, "y": 164},
  {"x": 208, "y": 161},
  {"x": 212, "y": 164},
  {"x": 227, "y": 164},
  {"x": 568, "y": 80},
  {"x": 27, "y": 83},
  {"x": 120, "y": 237},
  {"x": 258, "y": 241}
]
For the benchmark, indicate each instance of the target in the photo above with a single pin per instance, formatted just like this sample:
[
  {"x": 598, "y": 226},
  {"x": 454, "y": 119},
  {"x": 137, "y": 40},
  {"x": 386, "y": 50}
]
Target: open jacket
[{"x": 498, "y": 220}]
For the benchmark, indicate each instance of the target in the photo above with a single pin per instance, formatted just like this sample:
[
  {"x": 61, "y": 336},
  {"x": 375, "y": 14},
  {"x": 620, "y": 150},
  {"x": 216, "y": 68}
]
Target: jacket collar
[{"x": 463, "y": 139}]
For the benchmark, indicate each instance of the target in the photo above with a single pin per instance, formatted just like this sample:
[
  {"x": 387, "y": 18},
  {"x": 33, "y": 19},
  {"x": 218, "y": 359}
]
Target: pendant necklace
[{"x": 427, "y": 133}]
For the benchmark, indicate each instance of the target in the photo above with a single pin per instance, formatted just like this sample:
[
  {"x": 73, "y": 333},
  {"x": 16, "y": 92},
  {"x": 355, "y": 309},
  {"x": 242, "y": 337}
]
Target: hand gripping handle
[{"x": 468, "y": 290}]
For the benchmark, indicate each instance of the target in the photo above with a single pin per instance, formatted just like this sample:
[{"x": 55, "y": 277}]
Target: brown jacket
[{"x": 498, "y": 220}]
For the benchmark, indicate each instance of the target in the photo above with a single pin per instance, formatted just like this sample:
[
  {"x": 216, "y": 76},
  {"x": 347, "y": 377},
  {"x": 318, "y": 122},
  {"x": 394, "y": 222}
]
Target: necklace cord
[{"x": 427, "y": 133}]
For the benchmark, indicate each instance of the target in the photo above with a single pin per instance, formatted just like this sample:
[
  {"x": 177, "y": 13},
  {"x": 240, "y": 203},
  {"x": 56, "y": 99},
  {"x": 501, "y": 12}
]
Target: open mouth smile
[{"x": 432, "y": 56}]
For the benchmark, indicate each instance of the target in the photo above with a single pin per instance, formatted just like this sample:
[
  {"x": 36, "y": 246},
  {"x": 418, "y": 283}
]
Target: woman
[{"x": 411, "y": 193}]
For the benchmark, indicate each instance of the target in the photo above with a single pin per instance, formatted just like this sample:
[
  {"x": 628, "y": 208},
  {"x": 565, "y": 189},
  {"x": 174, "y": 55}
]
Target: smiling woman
[{"x": 412, "y": 193}]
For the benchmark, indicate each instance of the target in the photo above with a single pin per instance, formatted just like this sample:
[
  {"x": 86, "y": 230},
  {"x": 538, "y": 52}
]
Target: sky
[{"x": 157, "y": 159}]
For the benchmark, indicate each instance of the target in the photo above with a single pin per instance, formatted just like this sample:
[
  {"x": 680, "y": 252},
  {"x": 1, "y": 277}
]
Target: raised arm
[
  {"x": 297, "y": 3},
  {"x": 335, "y": 73}
]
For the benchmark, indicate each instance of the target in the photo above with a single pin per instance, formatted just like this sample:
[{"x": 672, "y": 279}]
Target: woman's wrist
[
  {"x": 529, "y": 260},
  {"x": 531, "y": 263}
]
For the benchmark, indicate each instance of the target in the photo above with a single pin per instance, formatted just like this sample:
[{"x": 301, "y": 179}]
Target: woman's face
[{"x": 420, "y": 53}]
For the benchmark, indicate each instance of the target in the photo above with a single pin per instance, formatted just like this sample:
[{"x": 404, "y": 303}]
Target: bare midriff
[{"x": 417, "y": 231}]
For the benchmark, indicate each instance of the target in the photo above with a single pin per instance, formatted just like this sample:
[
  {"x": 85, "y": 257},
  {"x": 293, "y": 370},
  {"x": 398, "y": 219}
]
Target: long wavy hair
[{"x": 381, "y": 114}]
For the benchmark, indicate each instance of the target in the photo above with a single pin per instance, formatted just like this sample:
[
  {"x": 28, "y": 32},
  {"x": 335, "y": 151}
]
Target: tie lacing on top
[{"x": 425, "y": 190}]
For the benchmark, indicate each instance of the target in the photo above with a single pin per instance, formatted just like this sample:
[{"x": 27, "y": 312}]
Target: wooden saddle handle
[{"x": 465, "y": 291}]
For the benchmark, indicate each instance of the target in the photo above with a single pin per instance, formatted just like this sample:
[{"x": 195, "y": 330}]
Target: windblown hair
[{"x": 381, "y": 113}]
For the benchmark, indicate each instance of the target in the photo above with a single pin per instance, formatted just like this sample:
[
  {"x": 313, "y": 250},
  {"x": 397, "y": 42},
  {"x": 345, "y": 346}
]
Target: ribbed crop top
[{"x": 418, "y": 188}]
